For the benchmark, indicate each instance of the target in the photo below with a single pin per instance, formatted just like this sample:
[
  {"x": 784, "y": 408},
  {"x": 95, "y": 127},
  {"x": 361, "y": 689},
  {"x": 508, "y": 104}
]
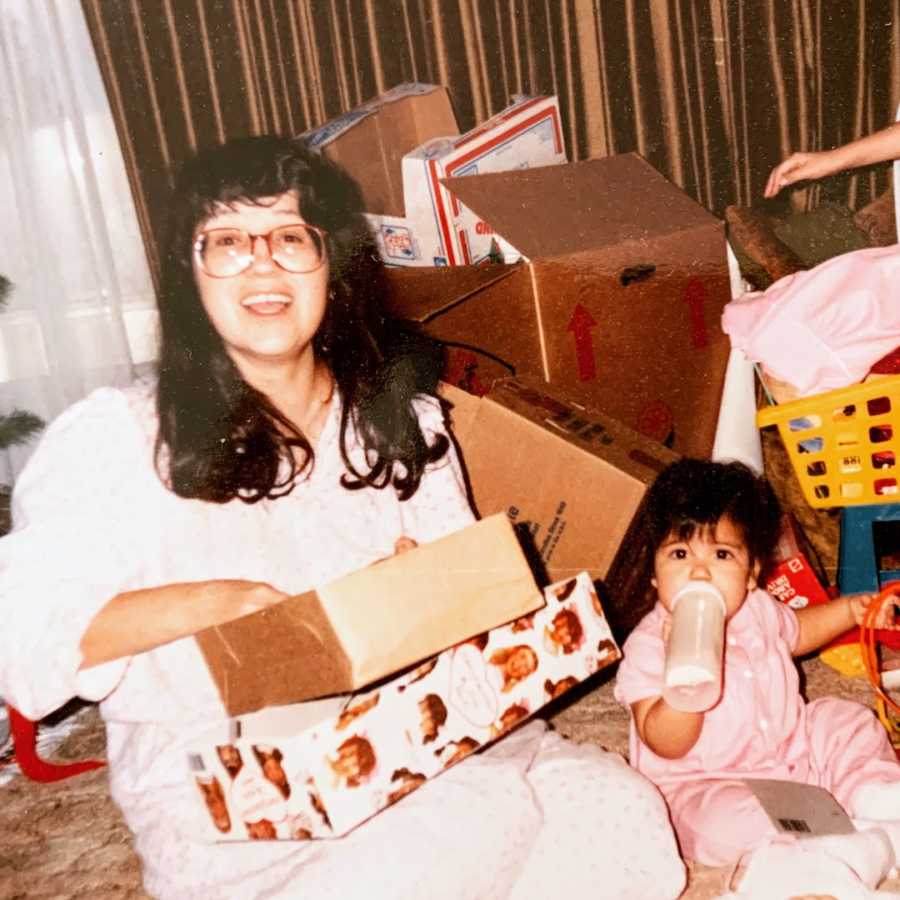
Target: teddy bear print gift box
[{"x": 279, "y": 774}]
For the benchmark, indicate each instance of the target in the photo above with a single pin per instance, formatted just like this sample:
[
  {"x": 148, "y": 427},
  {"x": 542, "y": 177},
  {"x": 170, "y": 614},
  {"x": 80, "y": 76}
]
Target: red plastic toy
[{"x": 24, "y": 735}]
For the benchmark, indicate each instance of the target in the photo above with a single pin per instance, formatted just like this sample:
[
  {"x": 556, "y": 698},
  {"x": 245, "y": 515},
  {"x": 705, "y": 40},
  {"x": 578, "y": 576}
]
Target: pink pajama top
[{"x": 758, "y": 727}]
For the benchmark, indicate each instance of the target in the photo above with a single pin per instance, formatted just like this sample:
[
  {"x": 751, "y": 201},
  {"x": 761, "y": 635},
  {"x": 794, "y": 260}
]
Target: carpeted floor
[{"x": 68, "y": 840}]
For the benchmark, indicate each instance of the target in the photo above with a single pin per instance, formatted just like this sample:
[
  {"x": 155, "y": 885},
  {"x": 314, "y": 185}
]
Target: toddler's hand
[{"x": 887, "y": 616}]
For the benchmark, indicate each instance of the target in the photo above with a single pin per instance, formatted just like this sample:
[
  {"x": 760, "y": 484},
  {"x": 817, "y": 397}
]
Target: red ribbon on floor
[{"x": 24, "y": 735}]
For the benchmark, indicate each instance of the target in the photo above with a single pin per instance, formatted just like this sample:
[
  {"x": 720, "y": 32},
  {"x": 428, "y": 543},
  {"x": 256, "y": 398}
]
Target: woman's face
[{"x": 264, "y": 314}]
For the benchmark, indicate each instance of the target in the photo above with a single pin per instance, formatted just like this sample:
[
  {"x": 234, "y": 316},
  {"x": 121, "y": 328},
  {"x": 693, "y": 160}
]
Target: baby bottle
[{"x": 693, "y": 675}]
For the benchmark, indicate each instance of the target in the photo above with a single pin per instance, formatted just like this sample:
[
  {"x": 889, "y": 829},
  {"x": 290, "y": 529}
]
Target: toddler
[{"x": 719, "y": 523}]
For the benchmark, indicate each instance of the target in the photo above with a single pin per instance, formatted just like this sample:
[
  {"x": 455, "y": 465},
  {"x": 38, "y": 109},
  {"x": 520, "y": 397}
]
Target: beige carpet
[{"x": 68, "y": 840}]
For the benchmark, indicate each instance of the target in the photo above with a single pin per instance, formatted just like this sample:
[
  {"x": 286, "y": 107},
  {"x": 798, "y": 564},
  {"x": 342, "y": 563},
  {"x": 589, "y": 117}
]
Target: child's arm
[
  {"x": 823, "y": 623},
  {"x": 873, "y": 148},
  {"x": 668, "y": 732}
]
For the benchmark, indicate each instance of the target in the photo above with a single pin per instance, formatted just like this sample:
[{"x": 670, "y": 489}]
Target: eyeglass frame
[{"x": 323, "y": 234}]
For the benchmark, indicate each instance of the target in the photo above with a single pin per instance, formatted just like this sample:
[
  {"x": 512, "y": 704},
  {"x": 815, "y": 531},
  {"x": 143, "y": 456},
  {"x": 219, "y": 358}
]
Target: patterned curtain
[{"x": 712, "y": 92}]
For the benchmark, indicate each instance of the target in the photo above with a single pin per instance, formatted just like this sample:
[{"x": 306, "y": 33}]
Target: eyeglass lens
[{"x": 229, "y": 251}]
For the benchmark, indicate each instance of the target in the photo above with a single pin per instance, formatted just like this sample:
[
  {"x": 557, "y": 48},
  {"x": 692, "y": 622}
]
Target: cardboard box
[
  {"x": 272, "y": 776},
  {"x": 620, "y": 303},
  {"x": 524, "y": 135},
  {"x": 436, "y": 299},
  {"x": 370, "y": 141},
  {"x": 399, "y": 145},
  {"x": 572, "y": 478},
  {"x": 373, "y": 622}
]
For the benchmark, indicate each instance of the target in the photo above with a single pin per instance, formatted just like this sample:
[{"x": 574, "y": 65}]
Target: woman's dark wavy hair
[
  {"x": 219, "y": 438},
  {"x": 693, "y": 494}
]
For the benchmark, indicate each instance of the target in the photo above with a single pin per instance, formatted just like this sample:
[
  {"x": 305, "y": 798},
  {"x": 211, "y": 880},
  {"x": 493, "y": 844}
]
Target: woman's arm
[
  {"x": 823, "y": 623},
  {"x": 873, "y": 148},
  {"x": 136, "y": 621},
  {"x": 668, "y": 732}
]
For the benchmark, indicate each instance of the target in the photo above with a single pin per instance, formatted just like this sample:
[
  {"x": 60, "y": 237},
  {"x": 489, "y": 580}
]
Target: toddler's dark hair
[{"x": 693, "y": 494}]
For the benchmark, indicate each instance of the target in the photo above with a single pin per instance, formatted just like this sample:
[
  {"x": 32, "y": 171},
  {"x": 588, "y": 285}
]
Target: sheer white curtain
[{"x": 69, "y": 239}]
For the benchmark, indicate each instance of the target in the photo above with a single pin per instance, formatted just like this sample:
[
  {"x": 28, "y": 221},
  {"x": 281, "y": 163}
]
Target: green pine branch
[{"x": 18, "y": 427}]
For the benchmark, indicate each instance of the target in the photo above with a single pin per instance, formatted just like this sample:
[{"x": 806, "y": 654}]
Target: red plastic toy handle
[{"x": 24, "y": 735}]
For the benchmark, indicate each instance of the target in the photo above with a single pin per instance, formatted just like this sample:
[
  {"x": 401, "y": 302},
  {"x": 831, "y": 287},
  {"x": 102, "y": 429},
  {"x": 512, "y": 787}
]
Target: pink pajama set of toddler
[{"x": 761, "y": 728}]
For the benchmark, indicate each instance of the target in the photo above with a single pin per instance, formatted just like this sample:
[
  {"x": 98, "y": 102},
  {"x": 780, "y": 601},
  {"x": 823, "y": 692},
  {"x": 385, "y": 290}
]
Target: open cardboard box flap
[
  {"x": 571, "y": 476},
  {"x": 419, "y": 294},
  {"x": 373, "y": 622},
  {"x": 619, "y": 302},
  {"x": 559, "y": 210}
]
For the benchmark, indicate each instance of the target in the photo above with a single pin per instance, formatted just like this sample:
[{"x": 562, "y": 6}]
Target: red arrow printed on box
[
  {"x": 695, "y": 297},
  {"x": 580, "y": 325}
]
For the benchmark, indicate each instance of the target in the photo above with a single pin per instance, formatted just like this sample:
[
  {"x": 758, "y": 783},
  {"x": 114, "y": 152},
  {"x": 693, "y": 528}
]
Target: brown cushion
[
  {"x": 876, "y": 220},
  {"x": 821, "y": 233},
  {"x": 768, "y": 248},
  {"x": 762, "y": 256}
]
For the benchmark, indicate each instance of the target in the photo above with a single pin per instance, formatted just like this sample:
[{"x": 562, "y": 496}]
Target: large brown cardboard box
[
  {"x": 370, "y": 141},
  {"x": 620, "y": 299},
  {"x": 371, "y": 623},
  {"x": 573, "y": 478}
]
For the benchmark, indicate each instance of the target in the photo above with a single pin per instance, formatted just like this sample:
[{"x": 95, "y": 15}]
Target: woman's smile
[{"x": 267, "y": 304}]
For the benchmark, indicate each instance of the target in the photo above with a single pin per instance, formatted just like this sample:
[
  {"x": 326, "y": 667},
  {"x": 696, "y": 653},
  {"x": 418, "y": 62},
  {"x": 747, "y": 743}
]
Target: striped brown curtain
[{"x": 711, "y": 92}]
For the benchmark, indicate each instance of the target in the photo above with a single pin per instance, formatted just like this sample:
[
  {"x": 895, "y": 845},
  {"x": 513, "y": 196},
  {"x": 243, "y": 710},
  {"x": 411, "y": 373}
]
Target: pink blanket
[{"x": 824, "y": 328}]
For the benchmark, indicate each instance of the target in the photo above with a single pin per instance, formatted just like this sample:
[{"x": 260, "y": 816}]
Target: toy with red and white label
[
  {"x": 522, "y": 136},
  {"x": 793, "y": 582}
]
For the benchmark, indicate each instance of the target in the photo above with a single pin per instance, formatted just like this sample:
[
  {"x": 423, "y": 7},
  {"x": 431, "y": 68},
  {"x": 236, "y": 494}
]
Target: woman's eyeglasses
[{"x": 224, "y": 252}]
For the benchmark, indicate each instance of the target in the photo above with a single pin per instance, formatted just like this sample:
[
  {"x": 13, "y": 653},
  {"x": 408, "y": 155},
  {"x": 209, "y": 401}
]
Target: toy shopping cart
[{"x": 843, "y": 446}]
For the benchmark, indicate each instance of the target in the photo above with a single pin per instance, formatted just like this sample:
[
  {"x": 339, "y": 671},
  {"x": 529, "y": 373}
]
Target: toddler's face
[{"x": 717, "y": 555}]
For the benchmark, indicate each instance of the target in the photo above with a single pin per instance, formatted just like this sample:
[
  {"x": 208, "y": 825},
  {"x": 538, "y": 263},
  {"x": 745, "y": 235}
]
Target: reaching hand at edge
[{"x": 873, "y": 148}]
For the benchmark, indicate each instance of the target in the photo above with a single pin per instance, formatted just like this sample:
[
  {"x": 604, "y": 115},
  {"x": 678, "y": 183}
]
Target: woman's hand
[
  {"x": 217, "y": 602},
  {"x": 137, "y": 621},
  {"x": 801, "y": 167},
  {"x": 402, "y": 545}
]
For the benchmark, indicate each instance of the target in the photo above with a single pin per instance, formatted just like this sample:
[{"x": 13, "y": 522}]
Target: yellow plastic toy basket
[{"x": 843, "y": 444}]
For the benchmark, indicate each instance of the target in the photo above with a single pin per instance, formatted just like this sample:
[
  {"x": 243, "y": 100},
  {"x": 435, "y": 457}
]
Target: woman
[{"x": 281, "y": 447}]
